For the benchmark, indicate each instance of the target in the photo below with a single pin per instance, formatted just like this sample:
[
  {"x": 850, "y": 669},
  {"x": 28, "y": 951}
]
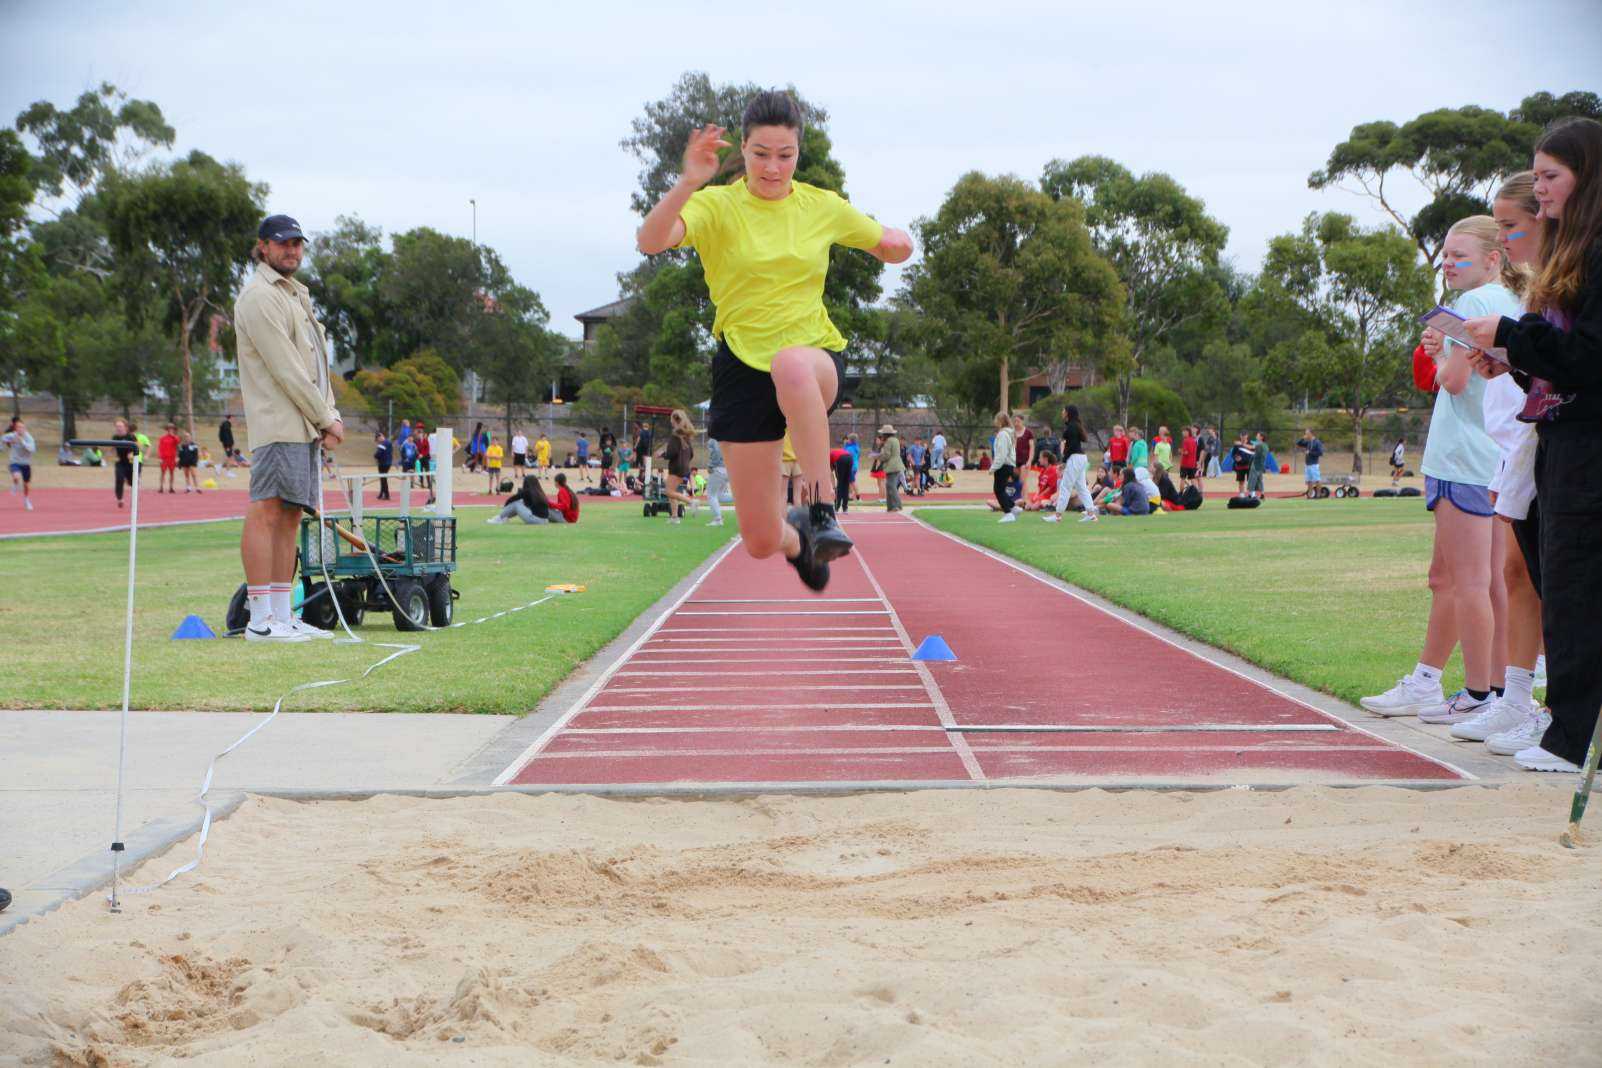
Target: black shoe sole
[{"x": 830, "y": 544}]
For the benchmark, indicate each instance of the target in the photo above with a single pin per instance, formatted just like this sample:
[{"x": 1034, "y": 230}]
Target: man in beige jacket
[{"x": 289, "y": 417}]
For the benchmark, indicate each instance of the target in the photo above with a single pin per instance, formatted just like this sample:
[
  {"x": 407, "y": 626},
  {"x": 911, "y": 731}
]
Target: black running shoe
[
  {"x": 829, "y": 542},
  {"x": 813, "y": 571}
]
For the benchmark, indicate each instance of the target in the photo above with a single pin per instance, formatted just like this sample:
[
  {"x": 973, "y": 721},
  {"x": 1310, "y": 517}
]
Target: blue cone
[
  {"x": 193, "y": 627},
  {"x": 934, "y": 647}
]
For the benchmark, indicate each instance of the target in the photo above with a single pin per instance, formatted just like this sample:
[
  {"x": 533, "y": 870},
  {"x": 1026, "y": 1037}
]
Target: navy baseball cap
[{"x": 279, "y": 228}]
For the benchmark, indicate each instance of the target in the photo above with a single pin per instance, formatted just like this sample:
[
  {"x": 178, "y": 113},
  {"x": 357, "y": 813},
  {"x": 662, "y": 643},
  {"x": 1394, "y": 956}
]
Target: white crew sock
[
  {"x": 1424, "y": 673},
  {"x": 281, "y": 602},
  {"x": 1520, "y": 684},
  {"x": 256, "y": 597}
]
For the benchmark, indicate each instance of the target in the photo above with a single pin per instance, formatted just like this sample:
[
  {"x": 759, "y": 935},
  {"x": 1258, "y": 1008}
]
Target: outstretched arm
[{"x": 664, "y": 226}]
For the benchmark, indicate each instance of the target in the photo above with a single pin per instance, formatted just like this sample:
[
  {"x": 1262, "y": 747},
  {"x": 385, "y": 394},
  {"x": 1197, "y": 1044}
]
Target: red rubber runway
[{"x": 751, "y": 679}]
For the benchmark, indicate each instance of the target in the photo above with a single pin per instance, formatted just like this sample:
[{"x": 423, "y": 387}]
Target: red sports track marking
[{"x": 750, "y": 679}]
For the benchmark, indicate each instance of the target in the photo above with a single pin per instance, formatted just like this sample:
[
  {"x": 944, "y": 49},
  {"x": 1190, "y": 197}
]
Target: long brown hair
[
  {"x": 1566, "y": 243},
  {"x": 681, "y": 423}
]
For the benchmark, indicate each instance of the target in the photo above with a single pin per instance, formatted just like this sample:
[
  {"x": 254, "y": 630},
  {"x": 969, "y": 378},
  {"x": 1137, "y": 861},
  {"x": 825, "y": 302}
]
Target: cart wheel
[
  {"x": 411, "y": 604},
  {"x": 441, "y": 606},
  {"x": 1323, "y": 491},
  {"x": 1340, "y": 493},
  {"x": 1352, "y": 493},
  {"x": 318, "y": 608},
  {"x": 238, "y": 609},
  {"x": 648, "y": 512},
  {"x": 352, "y": 600},
  {"x": 1311, "y": 493}
]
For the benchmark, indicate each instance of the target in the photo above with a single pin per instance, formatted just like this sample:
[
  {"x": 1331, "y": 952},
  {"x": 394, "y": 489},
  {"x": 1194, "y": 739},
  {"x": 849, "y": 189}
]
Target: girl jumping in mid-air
[{"x": 764, "y": 244}]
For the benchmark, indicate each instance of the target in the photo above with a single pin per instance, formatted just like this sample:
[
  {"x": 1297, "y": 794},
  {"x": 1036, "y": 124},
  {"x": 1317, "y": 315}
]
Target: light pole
[{"x": 474, "y": 201}]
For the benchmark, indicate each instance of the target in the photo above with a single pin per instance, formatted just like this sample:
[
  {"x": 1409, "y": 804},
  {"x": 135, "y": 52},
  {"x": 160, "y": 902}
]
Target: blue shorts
[
  {"x": 1313, "y": 473},
  {"x": 25, "y": 470},
  {"x": 1466, "y": 498}
]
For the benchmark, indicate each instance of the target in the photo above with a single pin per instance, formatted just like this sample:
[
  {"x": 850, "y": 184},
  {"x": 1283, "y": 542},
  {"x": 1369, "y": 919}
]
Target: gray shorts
[{"x": 286, "y": 470}]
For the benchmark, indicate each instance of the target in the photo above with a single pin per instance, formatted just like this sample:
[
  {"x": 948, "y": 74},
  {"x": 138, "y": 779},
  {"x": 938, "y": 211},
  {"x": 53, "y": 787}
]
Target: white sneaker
[
  {"x": 495, "y": 520},
  {"x": 673, "y": 519},
  {"x": 1537, "y": 759},
  {"x": 1526, "y": 734},
  {"x": 1500, "y": 715},
  {"x": 1459, "y": 708},
  {"x": 1090, "y": 517},
  {"x": 1051, "y": 517},
  {"x": 1540, "y": 671},
  {"x": 1010, "y": 517},
  {"x": 300, "y": 626},
  {"x": 273, "y": 630},
  {"x": 27, "y": 503},
  {"x": 1408, "y": 697},
  {"x": 715, "y": 523}
]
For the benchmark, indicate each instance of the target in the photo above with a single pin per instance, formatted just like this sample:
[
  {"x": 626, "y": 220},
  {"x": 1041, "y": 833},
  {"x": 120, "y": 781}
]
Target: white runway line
[
  {"x": 613, "y": 754},
  {"x": 1193, "y": 728},
  {"x": 768, "y": 660},
  {"x": 787, "y": 612},
  {"x": 970, "y": 763},
  {"x": 785, "y": 600},
  {"x": 810, "y": 728},
  {"x": 854, "y": 686},
  {"x": 783, "y": 631},
  {"x": 771, "y": 671},
  {"x": 779, "y": 638},
  {"x": 759, "y": 708}
]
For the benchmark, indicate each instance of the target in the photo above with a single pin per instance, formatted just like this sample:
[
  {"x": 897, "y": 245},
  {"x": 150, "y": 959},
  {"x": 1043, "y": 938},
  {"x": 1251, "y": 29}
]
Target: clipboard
[{"x": 1452, "y": 325}]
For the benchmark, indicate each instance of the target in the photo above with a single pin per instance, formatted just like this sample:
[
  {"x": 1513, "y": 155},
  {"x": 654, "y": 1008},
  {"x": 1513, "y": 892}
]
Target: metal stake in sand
[
  {"x": 1571, "y": 837},
  {"x": 127, "y": 657}
]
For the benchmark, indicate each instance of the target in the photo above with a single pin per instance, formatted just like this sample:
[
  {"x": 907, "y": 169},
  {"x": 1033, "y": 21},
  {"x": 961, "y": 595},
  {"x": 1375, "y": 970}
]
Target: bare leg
[
  {"x": 1501, "y": 538},
  {"x": 267, "y": 546},
  {"x": 1466, "y": 541},
  {"x": 806, "y": 384},
  {"x": 1523, "y": 609},
  {"x": 759, "y": 499},
  {"x": 1440, "y": 636}
]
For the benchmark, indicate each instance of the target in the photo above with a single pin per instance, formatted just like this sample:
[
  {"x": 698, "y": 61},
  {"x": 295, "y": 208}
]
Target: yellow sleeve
[
  {"x": 852, "y": 228},
  {"x": 700, "y": 215}
]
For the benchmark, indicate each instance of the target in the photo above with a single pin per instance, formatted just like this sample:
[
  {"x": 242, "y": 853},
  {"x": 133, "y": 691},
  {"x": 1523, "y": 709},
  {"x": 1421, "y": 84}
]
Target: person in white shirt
[{"x": 519, "y": 456}]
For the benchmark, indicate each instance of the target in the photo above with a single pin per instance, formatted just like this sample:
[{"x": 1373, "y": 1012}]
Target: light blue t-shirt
[{"x": 1458, "y": 449}]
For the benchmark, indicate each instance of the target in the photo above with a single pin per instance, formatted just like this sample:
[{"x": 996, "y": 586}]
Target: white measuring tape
[{"x": 400, "y": 649}]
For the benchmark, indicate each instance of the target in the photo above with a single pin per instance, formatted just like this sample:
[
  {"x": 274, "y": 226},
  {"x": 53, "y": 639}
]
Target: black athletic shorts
[{"x": 745, "y": 406}]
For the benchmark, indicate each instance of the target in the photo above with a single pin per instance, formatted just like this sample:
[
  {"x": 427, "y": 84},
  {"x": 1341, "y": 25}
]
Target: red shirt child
[
  {"x": 1047, "y": 489},
  {"x": 167, "y": 449},
  {"x": 1118, "y": 446},
  {"x": 1187, "y": 451},
  {"x": 567, "y": 504}
]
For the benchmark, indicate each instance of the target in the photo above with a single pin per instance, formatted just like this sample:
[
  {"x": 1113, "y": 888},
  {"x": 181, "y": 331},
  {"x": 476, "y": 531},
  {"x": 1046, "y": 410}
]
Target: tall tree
[
  {"x": 1334, "y": 312},
  {"x": 1162, "y": 243},
  {"x": 1455, "y": 155},
  {"x": 1009, "y": 277},
  {"x": 345, "y": 268},
  {"x": 184, "y": 230}
]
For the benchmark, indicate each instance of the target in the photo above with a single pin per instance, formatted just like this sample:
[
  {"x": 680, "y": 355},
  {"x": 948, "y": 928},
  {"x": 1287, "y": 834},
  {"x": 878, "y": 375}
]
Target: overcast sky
[{"x": 401, "y": 112}]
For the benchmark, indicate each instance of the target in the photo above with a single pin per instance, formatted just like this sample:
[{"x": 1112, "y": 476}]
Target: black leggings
[
  {"x": 842, "y": 483},
  {"x": 1003, "y": 479},
  {"x": 124, "y": 475},
  {"x": 1568, "y": 483},
  {"x": 383, "y": 483}
]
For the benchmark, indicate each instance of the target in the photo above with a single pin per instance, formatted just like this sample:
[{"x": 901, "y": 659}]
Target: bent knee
[{"x": 763, "y": 545}]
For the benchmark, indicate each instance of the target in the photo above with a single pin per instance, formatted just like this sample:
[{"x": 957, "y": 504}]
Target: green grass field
[
  {"x": 1329, "y": 593},
  {"x": 61, "y": 619}
]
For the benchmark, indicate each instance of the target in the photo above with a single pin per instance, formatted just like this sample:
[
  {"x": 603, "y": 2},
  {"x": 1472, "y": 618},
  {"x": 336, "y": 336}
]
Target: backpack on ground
[
  {"x": 1191, "y": 498},
  {"x": 1243, "y": 502}
]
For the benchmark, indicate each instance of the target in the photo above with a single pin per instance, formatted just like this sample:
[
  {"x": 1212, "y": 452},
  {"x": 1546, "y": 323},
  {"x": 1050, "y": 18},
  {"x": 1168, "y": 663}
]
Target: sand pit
[{"x": 1314, "y": 926}]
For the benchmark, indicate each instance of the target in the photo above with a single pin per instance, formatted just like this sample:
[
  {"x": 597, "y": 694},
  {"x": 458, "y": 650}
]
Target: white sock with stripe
[
  {"x": 281, "y": 601},
  {"x": 257, "y": 598}
]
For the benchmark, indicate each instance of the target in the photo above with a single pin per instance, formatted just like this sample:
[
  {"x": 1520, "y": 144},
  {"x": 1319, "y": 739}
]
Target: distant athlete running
[{"x": 764, "y": 244}]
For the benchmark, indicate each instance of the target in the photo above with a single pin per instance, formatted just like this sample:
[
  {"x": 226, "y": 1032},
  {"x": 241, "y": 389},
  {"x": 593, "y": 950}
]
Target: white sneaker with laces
[
  {"x": 27, "y": 504},
  {"x": 300, "y": 626},
  {"x": 273, "y": 630},
  {"x": 1500, "y": 715},
  {"x": 496, "y": 520},
  {"x": 1537, "y": 759},
  {"x": 1090, "y": 517},
  {"x": 1408, "y": 697},
  {"x": 1459, "y": 708},
  {"x": 1051, "y": 517},
  {"x": 1540, "y": 671},
  {"x": 715, "y": 523},
  {"x": 1010, "y": 517},
  {"x": 1526, "y": 734}
]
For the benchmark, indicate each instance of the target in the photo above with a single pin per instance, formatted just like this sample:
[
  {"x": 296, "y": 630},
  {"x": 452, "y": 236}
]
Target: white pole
[
  {"x": 444, "y": 466},
  {"x": 127, "y": 680}
]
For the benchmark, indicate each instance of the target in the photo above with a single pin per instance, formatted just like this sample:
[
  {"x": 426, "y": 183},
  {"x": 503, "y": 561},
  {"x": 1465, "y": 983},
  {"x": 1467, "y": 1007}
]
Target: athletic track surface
[{"x": 750, "y": 679}]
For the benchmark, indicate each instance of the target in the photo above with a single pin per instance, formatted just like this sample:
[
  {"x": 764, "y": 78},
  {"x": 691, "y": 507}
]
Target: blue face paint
[
  {"x": 1516, "y": 234},
  {"x": 1462, "y": 265}
]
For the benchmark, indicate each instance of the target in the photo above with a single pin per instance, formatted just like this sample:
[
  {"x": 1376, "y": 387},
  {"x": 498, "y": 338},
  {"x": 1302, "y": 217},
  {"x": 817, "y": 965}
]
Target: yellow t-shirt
[
  {"x": 766, "y": 260},
  {"x": 542, "y": 452},
  {"x": 492, "y": 456}
]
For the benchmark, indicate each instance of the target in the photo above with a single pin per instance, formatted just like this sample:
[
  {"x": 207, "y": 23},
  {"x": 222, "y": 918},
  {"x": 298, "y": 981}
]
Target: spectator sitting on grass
[
  {"x": 1132, "y": 498},
  {"x": 1046, "y": 482},
  {"x": 528, "y": 504},
  {"x": 566, "y": 507},
  {"x": 1166, "y": 491}
]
